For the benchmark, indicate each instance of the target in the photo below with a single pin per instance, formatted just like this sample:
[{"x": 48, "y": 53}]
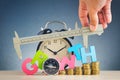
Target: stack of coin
[
  {"x": 70, "y": 71},
  {"x": 86, "y": 69},
  {"x": 78, "y": 70},
  {"x": 95, "y": 68},
  {"x": 62, "y": 72}
]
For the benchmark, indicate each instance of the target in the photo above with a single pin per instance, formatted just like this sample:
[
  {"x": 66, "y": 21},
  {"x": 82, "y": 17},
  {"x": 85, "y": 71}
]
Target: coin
[
  {"x": 95, "y": 63},
  {"x": 87, "y": 72},
  {"x": 78, "y": 70},
  {"x": 70, "y": 71},
  {"x": 95, "y": 68},
  {"x": 62, "y": 72},
  {"x": 86, "y": 66},
  {"x": 95, "y": 72},
  {"x": 86, "y": 69}
]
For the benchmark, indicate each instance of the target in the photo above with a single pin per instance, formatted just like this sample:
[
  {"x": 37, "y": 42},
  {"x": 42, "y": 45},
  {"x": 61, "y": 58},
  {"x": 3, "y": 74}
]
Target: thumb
[{"x": 93, "y": 20}]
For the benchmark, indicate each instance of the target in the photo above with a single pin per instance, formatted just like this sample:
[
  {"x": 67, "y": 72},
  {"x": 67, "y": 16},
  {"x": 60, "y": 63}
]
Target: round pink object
[{"x": 27, "y": 71}]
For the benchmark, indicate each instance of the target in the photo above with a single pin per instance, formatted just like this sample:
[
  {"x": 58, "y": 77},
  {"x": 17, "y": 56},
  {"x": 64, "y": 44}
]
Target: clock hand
[
  {"x": 61, "y": 49},
  {"x": 50, "y": 50},
  {"x": 54, "y": 52}
]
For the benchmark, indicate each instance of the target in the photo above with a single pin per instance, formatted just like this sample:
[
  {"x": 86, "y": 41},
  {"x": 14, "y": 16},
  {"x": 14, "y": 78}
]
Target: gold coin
[
  {"x": 87, "y": 72},
  {"x": 62, "y": 72},
  {"x": 70, "y": 71},
  {"x": 95, "y": 63},
  {"x": 95, "y": 72},
  {"x": 78, "y": 71},
  {"x": 86, "y": 66},
  {"x": 95, "y": 66}
]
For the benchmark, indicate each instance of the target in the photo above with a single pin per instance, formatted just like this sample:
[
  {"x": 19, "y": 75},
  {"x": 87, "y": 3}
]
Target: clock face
[
  {"x": 56, "y": 48},
  {"x": 51, "y": 66}
]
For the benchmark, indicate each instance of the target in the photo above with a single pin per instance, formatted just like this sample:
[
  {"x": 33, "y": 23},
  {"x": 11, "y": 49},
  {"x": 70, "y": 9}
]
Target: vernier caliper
[{"x": 84, "y": 32}]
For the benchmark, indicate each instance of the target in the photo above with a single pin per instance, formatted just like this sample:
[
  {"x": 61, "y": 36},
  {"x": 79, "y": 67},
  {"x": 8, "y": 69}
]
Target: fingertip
[
  {"x": 104, "y": 26},
  {"x": 85, "y": 25},
  {"x": 108, "y": 18},
  {"x": 109, "y": 21},
  {"x": 93, "y": 28}
]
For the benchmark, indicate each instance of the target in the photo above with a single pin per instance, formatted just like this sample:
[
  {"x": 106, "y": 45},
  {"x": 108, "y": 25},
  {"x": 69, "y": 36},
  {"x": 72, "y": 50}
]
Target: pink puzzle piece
[
  {"x": 27, "y": 71},
  {"x": 70, "y": 63}
]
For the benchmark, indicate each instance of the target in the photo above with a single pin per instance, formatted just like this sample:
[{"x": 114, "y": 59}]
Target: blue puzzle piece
[
  {"x": 92, "y": 54},
  {"x": 76, "y": 50}
]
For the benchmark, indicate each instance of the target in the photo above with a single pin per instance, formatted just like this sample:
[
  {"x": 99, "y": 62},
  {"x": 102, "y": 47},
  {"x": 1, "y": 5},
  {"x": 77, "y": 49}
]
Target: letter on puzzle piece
[
  {"x": 70, "y": 63},
  {"x": 76, "y": 50},
  {"x": 40, "y": 57},
  {"x": 80, "y": 53},
  {"x": 27, "y": 71},
  {"x": 85, "y": 55}
]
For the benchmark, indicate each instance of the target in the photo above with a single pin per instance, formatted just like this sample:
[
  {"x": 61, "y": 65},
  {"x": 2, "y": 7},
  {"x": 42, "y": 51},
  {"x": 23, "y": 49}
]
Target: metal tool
[{"x": 84, "y": 32}]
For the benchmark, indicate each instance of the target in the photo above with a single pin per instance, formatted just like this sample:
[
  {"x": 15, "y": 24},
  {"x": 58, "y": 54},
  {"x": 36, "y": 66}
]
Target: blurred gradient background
[{"x": 28, "y": 16}]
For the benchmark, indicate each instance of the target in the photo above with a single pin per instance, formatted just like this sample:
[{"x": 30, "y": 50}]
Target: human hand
[{"x": 97, "y": 11}]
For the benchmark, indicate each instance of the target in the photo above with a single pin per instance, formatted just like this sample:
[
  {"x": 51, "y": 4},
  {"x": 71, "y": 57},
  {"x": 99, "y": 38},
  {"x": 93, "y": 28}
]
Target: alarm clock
[{"x": 55, "y": 48}]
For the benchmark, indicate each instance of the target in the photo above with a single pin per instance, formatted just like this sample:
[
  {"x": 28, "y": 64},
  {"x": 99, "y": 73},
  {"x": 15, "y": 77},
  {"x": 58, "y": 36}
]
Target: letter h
[{"x": 85, "y": 55}]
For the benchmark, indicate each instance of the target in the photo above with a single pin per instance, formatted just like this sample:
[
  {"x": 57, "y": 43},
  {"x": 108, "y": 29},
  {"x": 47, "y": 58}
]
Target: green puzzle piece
[{"x": 41, "y": 57}]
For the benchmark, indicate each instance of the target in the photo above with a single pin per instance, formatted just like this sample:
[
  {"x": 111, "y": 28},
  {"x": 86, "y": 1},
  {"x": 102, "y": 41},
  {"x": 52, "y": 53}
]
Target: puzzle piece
[
  {"x": 41, "y": 57},
  {"x": 26, "y": 70},
  {"x": 76, "y": 50},
  {"x": 80, "y": 53},
  {"x": 92, "y": 54},
  {"x": 70, "y": 63}
]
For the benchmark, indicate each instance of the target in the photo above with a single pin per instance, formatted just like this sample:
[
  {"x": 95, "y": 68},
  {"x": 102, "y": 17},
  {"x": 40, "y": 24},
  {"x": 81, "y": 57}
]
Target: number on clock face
[{"x": 56, "y": 48}]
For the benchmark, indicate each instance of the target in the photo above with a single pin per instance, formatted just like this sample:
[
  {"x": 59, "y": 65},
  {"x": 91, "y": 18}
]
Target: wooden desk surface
[{"x": 19, "y": 75}]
